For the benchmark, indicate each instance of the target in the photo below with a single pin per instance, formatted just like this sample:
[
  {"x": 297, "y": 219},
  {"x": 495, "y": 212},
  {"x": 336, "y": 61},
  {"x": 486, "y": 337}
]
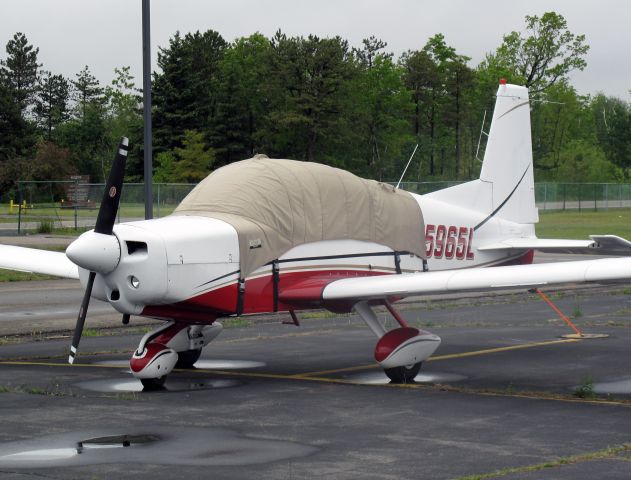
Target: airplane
[{"x": 272, "y": 235}]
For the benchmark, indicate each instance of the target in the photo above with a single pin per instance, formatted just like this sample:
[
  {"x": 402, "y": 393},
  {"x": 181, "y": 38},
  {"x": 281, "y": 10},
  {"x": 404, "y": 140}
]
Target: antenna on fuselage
[
  {"x": 406, "y": 167},
  {"x": 477, "y": 150}
]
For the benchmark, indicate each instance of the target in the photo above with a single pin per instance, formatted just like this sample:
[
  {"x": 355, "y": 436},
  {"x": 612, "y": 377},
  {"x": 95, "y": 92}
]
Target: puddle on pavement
[
  {"x": 163, "y": 446},
  {"x": 227, "y": 364},
  {"x": 203, "y": 364},
  {"x": 132, "y": 385},
  {"x": 379, "y": 378},
  {"x": 617, "y": 387}
]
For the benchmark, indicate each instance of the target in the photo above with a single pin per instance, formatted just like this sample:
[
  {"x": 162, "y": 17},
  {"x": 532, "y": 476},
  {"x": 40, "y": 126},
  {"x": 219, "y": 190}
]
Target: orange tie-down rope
[{"x": 559, "y": 312}]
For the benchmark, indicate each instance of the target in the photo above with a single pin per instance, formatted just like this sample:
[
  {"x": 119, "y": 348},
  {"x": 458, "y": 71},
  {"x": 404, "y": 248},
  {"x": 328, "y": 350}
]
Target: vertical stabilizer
[
  {"x": 506, "y": 187},
  {"x": 508, "y": 157}
]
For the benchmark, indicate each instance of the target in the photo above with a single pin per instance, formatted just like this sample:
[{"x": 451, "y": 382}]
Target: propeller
[{"x": 80, "y": 249}]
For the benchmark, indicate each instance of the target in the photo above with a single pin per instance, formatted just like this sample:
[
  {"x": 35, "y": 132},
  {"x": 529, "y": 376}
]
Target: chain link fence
[{"x": 44, "y": 206}]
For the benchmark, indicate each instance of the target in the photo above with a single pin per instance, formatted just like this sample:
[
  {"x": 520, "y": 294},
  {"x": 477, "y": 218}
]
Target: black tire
[
  {"x": 405, "y": 374},
  {"x": 187, "y": 358},
  {"x": 152, "y": 384}
]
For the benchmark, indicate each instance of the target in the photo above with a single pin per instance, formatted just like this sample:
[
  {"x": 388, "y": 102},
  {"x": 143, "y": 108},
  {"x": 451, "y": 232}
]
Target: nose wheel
[
  {"x": 403, "y": 374},
  {"x": 150, "y": 384}
]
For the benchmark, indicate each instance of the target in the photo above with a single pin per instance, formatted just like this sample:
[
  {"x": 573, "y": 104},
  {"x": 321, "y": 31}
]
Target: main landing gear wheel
[
  {"x": 187, "y": 358},
  {"x": 404, "y": 374},
  {"x": 153, "y": 383}
]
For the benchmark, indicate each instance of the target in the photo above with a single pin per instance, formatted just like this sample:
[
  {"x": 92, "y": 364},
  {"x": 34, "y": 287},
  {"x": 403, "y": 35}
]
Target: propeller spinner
[{"x": 99, "y": 251}]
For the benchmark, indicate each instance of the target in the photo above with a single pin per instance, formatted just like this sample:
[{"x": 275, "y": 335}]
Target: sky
[{"x": 105, "y": 34}]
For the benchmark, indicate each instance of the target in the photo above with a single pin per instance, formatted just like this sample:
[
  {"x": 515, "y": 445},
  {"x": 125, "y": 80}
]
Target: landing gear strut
[
  {"x": 187, "y": 358},
  {"x": 401, "y": 351},
  {"x": 172, "y": 345}
]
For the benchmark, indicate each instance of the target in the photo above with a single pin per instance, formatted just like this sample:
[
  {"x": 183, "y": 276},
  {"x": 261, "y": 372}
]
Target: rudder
[{"x": 507, "y": 161}]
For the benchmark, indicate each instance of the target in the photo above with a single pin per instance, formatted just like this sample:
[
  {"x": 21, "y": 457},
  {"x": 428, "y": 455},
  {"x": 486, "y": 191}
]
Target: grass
[
  {"x": 45, "y": 226},
  {"x": 47, "y": 211},
  {"x": 69, "y": 231},
  {"x": 92, "y": 332},
  {"x": 239, "y": 322},
  {"x": 579, "y": 225},
  {"x": 13, "y": 276},
  {"x": 50, "y": 391},
  {"x": 606, "y": 453},
  {"x": 585, "y": 389}
]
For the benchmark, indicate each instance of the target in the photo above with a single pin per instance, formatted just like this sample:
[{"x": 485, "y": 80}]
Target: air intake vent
[{"x": 136, "y": 247}]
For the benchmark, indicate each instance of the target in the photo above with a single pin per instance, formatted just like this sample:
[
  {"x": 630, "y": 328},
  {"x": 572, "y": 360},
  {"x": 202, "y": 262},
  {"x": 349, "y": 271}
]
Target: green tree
[
  {"x": 561, "y": 119},
  {"x": 459, "y": 85},
  {"x": 379, "y": 107},
  {"x": 14, "y": 130},
  {"x": 308, "y": 76},
  {"x": 19, "y": 70},
  {"x": 123, "y": 118},
  {"x": 185, "y": 89},
  {"x": 372, "y": 47},
  {"x": 88, "y": 92},
  {"x": 581, "y": 161},
  {"x": 546, "y": 54},
  {"x": 440, "y": 82},
  {"x": 190, "y": 163},
  {"x": 51, "y": 102},
  {"x": 612, "y": 119},
  {"x": 242, "y": 98},
  {"x": 48, "y": 163}
]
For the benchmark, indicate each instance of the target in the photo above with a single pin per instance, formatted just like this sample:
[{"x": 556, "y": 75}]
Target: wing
[
  {"x": 37, "y": 261},
  {"x": 598, "y": 245},
  {"x": 476, "y": 279}
]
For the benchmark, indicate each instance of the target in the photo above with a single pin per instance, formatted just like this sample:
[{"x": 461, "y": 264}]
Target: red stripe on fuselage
[{"x": 297, "y": 290}]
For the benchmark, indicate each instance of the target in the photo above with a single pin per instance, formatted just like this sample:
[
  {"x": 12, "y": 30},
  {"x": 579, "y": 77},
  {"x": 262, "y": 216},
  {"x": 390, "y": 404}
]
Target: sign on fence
[{"x": 77, "y": 192}]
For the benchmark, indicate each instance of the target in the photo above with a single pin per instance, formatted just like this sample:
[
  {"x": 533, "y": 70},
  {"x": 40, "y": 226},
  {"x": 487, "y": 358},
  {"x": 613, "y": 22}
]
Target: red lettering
[
  {"x": 429, "y": 240},
  {"x": 450, "y": 246},
  {"x": 462, "y": 243},
  {"x": 441, "y": 232},
  {"x": 449, "y": 241},
  {"x": 469, "y": 252}
]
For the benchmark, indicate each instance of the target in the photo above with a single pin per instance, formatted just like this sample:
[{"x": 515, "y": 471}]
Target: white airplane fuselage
[{"x": 186, "y": 268}]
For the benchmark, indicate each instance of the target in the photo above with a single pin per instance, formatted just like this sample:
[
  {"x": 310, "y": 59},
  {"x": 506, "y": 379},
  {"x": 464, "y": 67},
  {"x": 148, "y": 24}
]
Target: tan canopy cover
[{"x": 276, "y": 204}]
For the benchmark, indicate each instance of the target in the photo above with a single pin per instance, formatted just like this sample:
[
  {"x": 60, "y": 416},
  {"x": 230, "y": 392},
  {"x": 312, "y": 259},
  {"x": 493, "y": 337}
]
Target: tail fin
[
  {"x": 508, "y": 157},
  {"x": 506, "y": 186}
]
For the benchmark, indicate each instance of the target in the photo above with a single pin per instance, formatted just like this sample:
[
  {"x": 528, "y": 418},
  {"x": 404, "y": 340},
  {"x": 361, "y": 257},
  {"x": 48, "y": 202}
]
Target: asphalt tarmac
[{"x": 276, "y": 401}]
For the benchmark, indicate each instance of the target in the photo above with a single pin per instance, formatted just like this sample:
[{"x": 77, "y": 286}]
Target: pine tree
[
  {"x": 185, "y": 91},
  {"x": 20, "y": 70},
  {"x": 51, "y": 102},
  {"x": 88, "y": 92}
]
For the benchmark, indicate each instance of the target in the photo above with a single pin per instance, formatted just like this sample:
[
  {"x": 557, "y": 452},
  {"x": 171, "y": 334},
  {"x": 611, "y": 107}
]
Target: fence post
[
  {"x": 19, "y": 208},
  {"x": 76, "y": 213},
  {"x": 159, "y": 185},
  {"x": 579, "y": 197},
  {"x": 564, "y": 190},
  {"x": 595, "y": 188}
]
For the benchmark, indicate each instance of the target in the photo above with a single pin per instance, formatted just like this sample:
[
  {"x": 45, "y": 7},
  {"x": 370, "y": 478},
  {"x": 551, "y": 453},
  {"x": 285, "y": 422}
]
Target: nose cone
[{"x": 95, "y": 252}]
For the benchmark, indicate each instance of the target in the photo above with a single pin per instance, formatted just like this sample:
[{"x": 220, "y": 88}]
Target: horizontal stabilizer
[
  {"x": 598, "y": 245},
  {"x": 37, "y": 261},
  {"x": 477, "y": 279}
]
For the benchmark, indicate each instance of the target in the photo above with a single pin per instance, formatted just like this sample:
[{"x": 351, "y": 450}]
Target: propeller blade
[
  {"x": 81, "y": 318},
  {"x": 104, "y": 225},
  {"x": 113, "y": 188}
]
